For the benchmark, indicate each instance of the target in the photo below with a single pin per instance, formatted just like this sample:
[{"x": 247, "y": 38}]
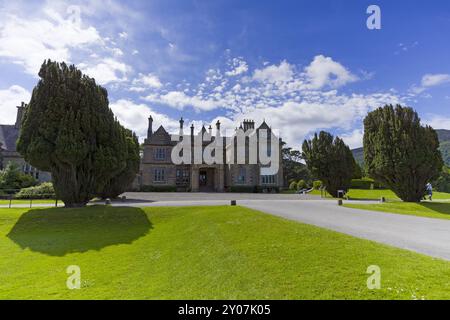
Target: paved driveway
[{"x": 423, "y": 235}]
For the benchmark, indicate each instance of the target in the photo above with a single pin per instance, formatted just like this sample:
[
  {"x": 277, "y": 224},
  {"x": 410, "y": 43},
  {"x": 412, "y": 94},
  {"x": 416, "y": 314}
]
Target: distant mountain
[{"x": 444, "y": 140}]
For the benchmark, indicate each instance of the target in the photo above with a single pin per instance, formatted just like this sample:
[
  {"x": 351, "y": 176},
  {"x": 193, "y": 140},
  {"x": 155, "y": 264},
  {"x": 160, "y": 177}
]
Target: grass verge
[{"x": 199, "y": 253}]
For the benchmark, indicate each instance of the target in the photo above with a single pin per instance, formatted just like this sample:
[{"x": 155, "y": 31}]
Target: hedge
[
  {"x": 42, "y": 191},
  {"x": 253, "y": 189},
  {"x": 365, "y": 183},
  {"x": 158, "y": 189}
]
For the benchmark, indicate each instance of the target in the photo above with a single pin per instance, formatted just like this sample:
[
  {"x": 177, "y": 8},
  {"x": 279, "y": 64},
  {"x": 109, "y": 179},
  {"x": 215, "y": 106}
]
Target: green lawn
[
  {"x": 199, "y": 253},
  {"x": 376, "y": 194},
  {"x": 17, "y": 201},
  {"x": 424, "y": 209}
]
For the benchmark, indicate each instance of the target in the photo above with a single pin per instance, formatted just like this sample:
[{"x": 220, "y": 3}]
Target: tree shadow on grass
[
  {"x": 60, "y": 231},
  {"x": 438, "y": 207}
]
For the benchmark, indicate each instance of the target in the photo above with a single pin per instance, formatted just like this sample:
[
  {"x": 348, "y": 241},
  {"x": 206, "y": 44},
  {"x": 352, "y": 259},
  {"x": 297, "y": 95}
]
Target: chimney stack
[
  {"x": 20, "y": 113},
  {"x": 181, "y": 127},
  {"x": 150, "y": 127},
  {"x": 249, "y": 124}
]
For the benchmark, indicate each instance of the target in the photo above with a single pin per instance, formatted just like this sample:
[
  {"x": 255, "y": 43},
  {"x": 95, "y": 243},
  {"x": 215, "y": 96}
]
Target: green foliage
[
  {"x": 330, "y": 160},
  {"x": 293, "y": 185},
  {"x": 399, "y": 152},
  {"x": 42, "y": 191},
  {"x": 253, "y": 189},
  {"x": 293, "y": 169},
  {"x": 12, "y": 178},
  {"x": 301, "y": 185},
  {"x": 69, "y": 130},
  {"x": 442, "y": 183},
  {"x": 365, "y": 183},
  {"x": 120, "y": 183},
  {"x": 158, "y": 189},
  {"x": 358, "y": 173},
  {"x": 1, "y": 157},
  {"x": 317, "y": 185}
]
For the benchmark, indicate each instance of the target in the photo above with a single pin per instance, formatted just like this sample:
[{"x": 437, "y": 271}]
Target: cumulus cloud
[
  {"x": 428, "y": 81},
  {"x": 438, "y": 121},
  {"x": 431, "y": 80},
  {"x": 239, "y": 66},
  {"x": 145, "y": 81},
  {"x": 354, "y": 139},
  {"x": 324, "y": 71},
  {"x": 134, "y": 116},
  {"x": 9, "y": 99},
  {"x": 275, "y": 74},
  {"x": 179, "y": 100},
  {"x": 106, "y": 70},
  {"x": 29, "y": 41}
]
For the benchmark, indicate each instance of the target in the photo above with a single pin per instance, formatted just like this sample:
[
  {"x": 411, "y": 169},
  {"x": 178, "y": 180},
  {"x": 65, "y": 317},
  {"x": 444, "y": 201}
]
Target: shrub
[
  {"x": 317, "y": 185},
  {"x": 12, "y": 179},
  {"x": 293, "y": 185},
  {"x": 301, "y": 185},
  {"x": 42, "y": 191},
  {"x": 243, "y": 189},
  {"x": 366, "y": 184},
  {"x": 158, "y": 189}
]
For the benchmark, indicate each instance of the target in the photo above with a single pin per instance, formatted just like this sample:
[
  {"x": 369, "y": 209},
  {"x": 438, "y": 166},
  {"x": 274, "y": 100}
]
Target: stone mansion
[{"x": 158, "y": 170}]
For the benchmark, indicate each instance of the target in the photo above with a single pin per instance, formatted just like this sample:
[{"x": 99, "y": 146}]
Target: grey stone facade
[
  {"x": 158, "y": 170},
  {"x": 8, "y": 138}
]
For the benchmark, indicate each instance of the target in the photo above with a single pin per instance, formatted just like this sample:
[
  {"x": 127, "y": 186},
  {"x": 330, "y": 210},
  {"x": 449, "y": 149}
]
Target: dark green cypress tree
[
  {"x": 399, "y": 152},
  {"x": 69, "y": 130},
  {"x": 120, "y": 182},
  {"x": 330, "y": 160}
]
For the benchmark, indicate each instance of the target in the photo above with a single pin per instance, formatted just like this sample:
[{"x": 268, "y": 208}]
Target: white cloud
[
  {"x": 147, "y": 80},
  {"x": 353, "y": 139},
  {"x": 134, "y": 116},
  {"x": 324, "y": 71},
  {"x": 438, "y": 121},
  {"x": 179, "y": 100},
  {"x": 29, "y": 41},
  {"x": 431, "y": 80},
  {"x": 275, "y": 74},
  {"x": 107, "y": 71},
  {"x": 9, "y": 99},
  {"x": 239, "y": 67}
]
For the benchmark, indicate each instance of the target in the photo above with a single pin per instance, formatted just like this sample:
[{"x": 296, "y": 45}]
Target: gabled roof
[
  {"x": 8, "y": 137},
  {"x": 160, "y": 137}
]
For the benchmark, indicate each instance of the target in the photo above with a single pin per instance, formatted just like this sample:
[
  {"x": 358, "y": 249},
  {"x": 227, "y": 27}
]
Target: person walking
[{"x": 429, "y": 191}]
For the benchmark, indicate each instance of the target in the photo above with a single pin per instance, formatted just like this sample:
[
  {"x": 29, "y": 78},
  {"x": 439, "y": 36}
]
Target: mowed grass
[
  {"x": 440, "y": 210},
  {"x": 376, "y": 194},
  {"x": 23, "y": 201},
  {"x": 199, "y": 253}
]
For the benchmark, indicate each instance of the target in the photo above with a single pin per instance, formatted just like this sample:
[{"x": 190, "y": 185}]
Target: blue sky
[{"x": 301, "y": 65}]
